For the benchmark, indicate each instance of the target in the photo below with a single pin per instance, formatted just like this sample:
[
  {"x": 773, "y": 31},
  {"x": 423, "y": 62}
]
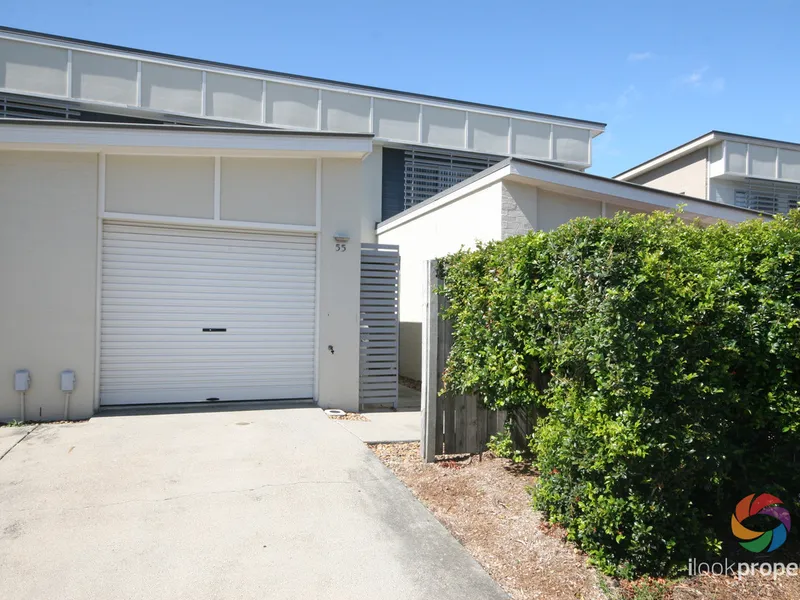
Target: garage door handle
[{"x": 214, "y": 329}]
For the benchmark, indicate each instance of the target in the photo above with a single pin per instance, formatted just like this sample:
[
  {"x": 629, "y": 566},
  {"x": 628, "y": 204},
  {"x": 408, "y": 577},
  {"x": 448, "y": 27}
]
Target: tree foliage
[{"x": 664, "y": 360}]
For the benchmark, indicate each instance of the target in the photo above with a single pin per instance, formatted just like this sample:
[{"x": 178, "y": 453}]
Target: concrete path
[
  {"x": 11, "y": 436},
  {"x": 401, "y": 426},
  {"x": 276, "y": 503}
]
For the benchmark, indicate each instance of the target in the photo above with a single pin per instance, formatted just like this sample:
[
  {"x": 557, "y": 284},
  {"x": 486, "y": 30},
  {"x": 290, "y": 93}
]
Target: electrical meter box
[
  {"x": 22, "y": 380},
  {"x": 67, "y": 381}
]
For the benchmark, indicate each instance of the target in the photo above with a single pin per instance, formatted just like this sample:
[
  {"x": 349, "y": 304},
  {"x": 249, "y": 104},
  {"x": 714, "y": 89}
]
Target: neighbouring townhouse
[{"x": 739, "y": 170}]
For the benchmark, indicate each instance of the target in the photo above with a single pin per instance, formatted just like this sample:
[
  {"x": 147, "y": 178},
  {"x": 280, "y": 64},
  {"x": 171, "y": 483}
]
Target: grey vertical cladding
[
  {"x": 513, "y": 220},
  {"x": 379, "y": 324},
  {"x": 392, "y": 199}
]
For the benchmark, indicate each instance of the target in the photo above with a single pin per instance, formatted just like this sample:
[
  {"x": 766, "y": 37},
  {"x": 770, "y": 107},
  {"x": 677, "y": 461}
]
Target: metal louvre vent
[
  {"x": 770, "y": 197},
  {"x": 16, "y": 108},
  {"x": 428, "y": 173}
]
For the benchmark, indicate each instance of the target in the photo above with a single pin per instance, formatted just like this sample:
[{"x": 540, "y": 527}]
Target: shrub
[
  {"x": 663, "y": 358},
  {"x": 502, "y": 446}
]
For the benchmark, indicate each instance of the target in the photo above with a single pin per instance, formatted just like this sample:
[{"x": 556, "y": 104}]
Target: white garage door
[{"x": 200, "y": 315}]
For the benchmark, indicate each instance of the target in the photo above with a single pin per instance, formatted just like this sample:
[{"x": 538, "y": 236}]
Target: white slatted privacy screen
[
  {"x": 428, "y": 173},
  {"x": 771, "y": 197},
  {"x": 380, "y": 323}
]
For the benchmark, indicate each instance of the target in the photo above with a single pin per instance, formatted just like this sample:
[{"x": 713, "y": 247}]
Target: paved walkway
[
  {"x": 400, "y": 426},
  {"x": 274, "y": 503}
]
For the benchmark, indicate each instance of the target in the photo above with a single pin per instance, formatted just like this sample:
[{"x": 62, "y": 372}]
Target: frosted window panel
[
  {"x": 292, "y": 105},
  {"x": 33, "y": 68},
  {"x": 103, "y": 78},
  {"x": 789, "y": 165},
  {"x": 231, "y": 97},
  {"x": 443, "y": 127},
  {"x": 736, "y": 157},
  {"x": 488, "y": 133},
  {"x": 571, "y": 144},
  {"x": 172, "y": 89},
  {"x": 345, "y": 112},
  {"x": 715, "y": 153},
  {"x": 762, "y": 161},
  {"x": 396, "y": 120},
  {"x": 531, "y": 139}
]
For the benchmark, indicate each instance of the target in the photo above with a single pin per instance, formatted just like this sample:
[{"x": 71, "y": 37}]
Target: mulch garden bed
[{"x": 484, "y": 503}]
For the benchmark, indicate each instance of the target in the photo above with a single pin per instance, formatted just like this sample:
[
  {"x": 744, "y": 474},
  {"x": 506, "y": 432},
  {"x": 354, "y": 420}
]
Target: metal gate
[{"x": 380, "y": 324}]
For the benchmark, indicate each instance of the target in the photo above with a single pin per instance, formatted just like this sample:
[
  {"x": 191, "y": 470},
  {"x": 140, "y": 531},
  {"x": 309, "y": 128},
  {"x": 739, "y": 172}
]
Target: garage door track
[{"x": 272, "y": 503}]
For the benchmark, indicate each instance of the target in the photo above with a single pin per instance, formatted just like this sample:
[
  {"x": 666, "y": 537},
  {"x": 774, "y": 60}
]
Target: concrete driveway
[{"x": 267, "y": 504}]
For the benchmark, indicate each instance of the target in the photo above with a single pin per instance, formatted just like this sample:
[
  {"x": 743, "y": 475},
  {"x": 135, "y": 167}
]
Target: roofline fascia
[{"x": 130, "y": 138}]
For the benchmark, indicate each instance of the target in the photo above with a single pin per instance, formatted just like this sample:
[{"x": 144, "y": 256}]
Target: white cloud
[
  {"x": 697, "y": 79},
  {"x": 629, "y": 95},
  {"x": 624, "y": 99},
  {"x": 640, "y": 56}
]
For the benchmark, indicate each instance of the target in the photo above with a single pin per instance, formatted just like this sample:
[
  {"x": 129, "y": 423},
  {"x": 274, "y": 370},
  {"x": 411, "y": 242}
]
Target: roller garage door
[{"x": 203, "y": 315}]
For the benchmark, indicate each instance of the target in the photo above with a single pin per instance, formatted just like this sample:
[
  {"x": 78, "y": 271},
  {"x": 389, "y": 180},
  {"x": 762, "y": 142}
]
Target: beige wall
[
  {"x": 557, "y": 209},
  {"x": 173, "y": 186},
  {"x": 473, "y": 218},
  {"x": 340, "y": 281},
  {"x": 527, "y": 208},
  {"x": 686, "y": 175},
  {"x": 48, "y": 262},
  {"x": 371, "y": 215},
  {"x": 269, "y": 190},
  {"x": 48, "y": 265}
]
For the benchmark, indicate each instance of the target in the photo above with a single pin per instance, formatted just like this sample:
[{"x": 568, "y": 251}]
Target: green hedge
[{"x": 663, "y": 361}]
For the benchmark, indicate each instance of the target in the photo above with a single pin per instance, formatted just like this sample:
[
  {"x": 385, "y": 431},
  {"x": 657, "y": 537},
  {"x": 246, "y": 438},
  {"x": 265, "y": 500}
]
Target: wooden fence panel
[{"x": 450, "y": 424}]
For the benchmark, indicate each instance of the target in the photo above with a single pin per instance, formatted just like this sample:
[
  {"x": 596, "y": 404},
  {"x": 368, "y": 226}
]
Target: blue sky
[{"x": 658, "y": 73}]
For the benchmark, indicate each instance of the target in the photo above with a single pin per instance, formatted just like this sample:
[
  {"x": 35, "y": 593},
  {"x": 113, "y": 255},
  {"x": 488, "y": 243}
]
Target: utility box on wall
[{"x": 22, "y": 380}]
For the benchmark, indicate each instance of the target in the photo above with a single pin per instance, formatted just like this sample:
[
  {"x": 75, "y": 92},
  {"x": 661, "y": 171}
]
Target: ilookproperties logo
[{"x": 759, "y": 541}]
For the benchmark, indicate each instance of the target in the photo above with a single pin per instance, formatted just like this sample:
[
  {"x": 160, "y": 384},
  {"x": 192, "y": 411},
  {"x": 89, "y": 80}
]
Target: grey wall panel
[
  {"x": 230, "y": 97},
  {"x": 570, "y": 144},
  {"x": 33, "y": 68},
  {"x": 171, "y": 89},
  {"x": 531, "y": 139},
  {"x": 396, "y": 120},
  {"x": 292, "y": 105},
  {"x": 103, "y": 78},
  {"x": 488, "y": 133},
  {"x": 345, "y": 112},
  {"x": 443, "y": 127}
]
